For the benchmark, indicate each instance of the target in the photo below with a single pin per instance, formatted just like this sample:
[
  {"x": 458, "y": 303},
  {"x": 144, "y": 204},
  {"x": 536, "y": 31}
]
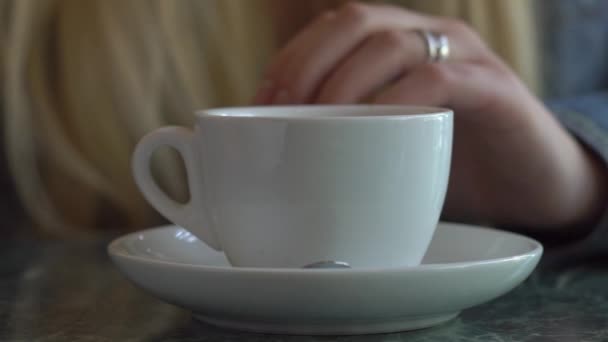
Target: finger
[
  {"x": 274, "y": 82},
  {"x": 380, "y": 59},
  {"x": 461, "y": 86},
  {"x": 268, "y": 91},
  {"x": 313, "y": 53},
  {"x": 264, "y": 93}
]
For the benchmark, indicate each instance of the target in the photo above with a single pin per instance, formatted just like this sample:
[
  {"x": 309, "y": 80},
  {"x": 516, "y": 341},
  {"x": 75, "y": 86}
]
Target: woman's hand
[{"x": 513, "y": 164}]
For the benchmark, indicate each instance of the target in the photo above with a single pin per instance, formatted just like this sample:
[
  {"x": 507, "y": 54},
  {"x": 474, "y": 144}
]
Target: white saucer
[{"x": 464, "y": 266}]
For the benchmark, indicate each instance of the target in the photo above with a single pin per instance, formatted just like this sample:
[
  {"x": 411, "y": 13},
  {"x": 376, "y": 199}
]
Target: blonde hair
[{"x": 84, "y": 80}]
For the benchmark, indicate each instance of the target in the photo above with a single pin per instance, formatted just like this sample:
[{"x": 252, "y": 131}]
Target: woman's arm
[
  {"x": 514, "y": 164},
  {"x": 586, "y": 117}
]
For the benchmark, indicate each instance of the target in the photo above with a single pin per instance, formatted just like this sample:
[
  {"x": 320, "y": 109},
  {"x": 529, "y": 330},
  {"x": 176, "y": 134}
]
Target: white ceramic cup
[{"x": 294, "y": 185}]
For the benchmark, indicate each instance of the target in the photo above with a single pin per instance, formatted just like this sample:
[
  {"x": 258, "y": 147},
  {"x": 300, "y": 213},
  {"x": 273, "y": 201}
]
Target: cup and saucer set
[{"x": 317, "y": 220}]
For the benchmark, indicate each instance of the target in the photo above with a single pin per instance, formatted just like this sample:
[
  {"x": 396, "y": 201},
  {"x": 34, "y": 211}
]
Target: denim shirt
[
  {"x": 574, "y": 52},
  {"x": 574, "y": 45}
]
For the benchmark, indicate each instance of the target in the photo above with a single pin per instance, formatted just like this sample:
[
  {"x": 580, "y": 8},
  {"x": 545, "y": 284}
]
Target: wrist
[
  {"x": 570, "y": 189},
  {"x": 580, "y": 193},
  {"x": 592, "y": 188}
]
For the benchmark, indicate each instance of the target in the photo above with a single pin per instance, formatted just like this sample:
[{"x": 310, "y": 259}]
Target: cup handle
[{"x": 187, "y": 215}]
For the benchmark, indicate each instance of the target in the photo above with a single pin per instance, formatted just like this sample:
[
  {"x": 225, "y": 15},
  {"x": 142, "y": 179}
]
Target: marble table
[{"x": 70, "y": 291}]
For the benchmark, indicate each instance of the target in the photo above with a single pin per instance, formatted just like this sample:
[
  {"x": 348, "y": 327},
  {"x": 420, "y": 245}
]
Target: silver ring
[{"x": 437, "y": 46}]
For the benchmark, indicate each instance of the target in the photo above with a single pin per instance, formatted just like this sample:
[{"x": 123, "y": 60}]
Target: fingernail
[
  {"x": 265, "y": 93},
  {"x": 282, "y": 97}
]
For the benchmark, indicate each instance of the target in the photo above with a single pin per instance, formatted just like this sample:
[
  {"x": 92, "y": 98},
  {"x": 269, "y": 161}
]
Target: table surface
[{"x": 70, "y": 291}]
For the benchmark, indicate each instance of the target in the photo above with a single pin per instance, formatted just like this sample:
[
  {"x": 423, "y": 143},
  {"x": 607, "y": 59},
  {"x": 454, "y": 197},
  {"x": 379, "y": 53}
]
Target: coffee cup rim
[{"x": 332, "y": 112}]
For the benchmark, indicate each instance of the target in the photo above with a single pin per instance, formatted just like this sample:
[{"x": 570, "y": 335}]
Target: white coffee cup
[{"x": 294, "y": 185}]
